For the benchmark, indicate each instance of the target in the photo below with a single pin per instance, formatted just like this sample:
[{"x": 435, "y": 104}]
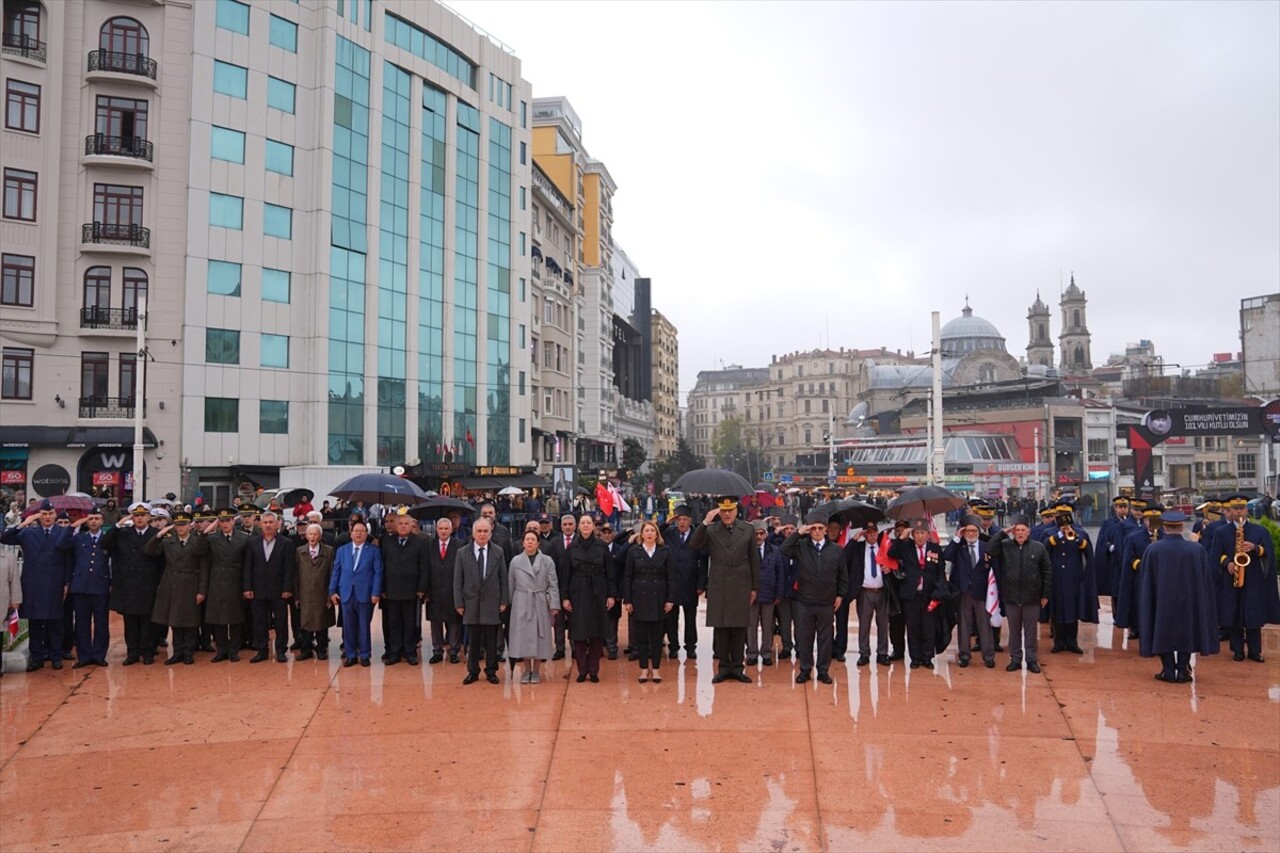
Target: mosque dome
[{"x": 968, "y": 333}]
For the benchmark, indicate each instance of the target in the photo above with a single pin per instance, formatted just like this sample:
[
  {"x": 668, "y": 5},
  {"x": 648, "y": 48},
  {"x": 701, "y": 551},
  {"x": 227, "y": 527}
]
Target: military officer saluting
[
  {"x": 223, "y": 584},
  {"x": 178, "y": 597},
  {"x": 90, "y": 589}
]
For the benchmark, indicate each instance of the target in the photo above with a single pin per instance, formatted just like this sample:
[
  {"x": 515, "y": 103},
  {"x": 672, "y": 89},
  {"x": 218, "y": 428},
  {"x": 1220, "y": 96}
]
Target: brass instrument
[
  {"x": 1241, "y": 560},
  {"x": 1069, "y": 534}
]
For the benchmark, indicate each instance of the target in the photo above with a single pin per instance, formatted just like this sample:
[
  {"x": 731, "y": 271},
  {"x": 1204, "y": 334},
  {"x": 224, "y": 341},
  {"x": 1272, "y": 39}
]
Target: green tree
[
  {"x": 667, "y": 469},
  {"x": 633, "y": 456},
  {"x": 737, "y": 447}
]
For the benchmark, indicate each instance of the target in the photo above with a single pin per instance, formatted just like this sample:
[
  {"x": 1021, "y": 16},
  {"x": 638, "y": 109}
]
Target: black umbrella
[
  {"x": 857, "y": 513},
  {"x": 293, "y": 497},
  {"x": 923, "y": 501},
  {"x": 380, "y": 489},
  {"x": 582, "y": 490},
  {"x": 713, "y": 481},
  {"x": 438, "y": 506}
]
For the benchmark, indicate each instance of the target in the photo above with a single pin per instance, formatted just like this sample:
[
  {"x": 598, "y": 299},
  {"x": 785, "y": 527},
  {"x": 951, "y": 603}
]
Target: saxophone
[{"x": 1240, "y": 561}]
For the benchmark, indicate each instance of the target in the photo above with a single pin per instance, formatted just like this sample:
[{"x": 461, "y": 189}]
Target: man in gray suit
[
  {"x": 481, "y": 595},
  {"x": 733, "y": 579}
]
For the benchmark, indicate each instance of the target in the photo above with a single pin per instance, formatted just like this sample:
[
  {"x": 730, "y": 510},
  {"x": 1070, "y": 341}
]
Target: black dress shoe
[
  {"x": 989, "y": 664},
  {"x": 412, "y": 660},
  {"x": 220, "y": 657},
  {"x": 349, "y": 662},
  {"x": 898, "y": 656},
  {"x": 386, "y": 656},
  {"x": 100, "y": 663},
  {"x": 34, "y": 665},
  {"x": 691, "y": 655},
  {"x": 68, "y": 656},
  {"x": 147, "y": 661},
  {"x": 131, "y": 660},
  {"x": 1013, "y": 667},
  {"x": 1033, "y": 667},
  {"x": 751, "y": 661},
  {"x": 491, "y": 678},
  {"x": 741, "y": 676},
  {"x": 392, "y": 660},
  {"x": 470, "y": 679},
  {"x": 294, "y": 647},
  {"x": 56, "y": 663},
  {"x": 839, "y": 657},
  {"x": 81, "y": 664},
  {"x": 863, "y": 660},
  {"x": 364, "y": 662},
  {"x": 1075, "y": 650},
  {"x": 767, "y": 661},
  {"x": 258, "y": 658},
  {"x": 1132, "y": 635},
  {"x": 582, "y": 677},
  {"x": 189, "y": 659},
  {"x": 281, "y": 657},
  {"x": 322, "y": 654},
  {"x": 613, "y": 655},
  {"x": 172, "y": 659},
  {"x": 976, "y": 647},
  {"x": 305, "y": 655},
  {"x": 719, "y": 677},
  {"x": 235, "y": 657},
  {"x": 595, "y": 678},
  {"x": 883, "y": 660},
  {"x": 1184, "y": 678},
  {"x": 1257, "y": 657},
  {"x": 436, "y": 658},
  {"x": 1168, "y": 679},
  {"x": 801, "y": 677},
  {"x": 915, "y": 664},
  {"x": 964, "y": 662},
  {"x": 559, "y": 655},
  {"x": 1056, "y": 649},
  {"x": 824, "y": 678}
]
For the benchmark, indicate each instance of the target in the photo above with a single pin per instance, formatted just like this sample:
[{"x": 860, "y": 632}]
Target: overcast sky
[{"x": 796, "y": 174}]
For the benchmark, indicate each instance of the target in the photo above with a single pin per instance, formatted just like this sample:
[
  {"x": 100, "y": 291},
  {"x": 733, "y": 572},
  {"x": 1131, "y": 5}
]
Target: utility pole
[
  {"x": 139, "y": 400},
  {"x": 939, "y": 447}
]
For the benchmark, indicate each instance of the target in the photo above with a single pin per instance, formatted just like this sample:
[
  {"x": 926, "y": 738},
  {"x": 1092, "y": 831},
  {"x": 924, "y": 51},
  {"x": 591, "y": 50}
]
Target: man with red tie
[
  {"x": 555, "y": 548},
  {"x": 919, "y": 570},
  {"x": 446, "y": 624}
]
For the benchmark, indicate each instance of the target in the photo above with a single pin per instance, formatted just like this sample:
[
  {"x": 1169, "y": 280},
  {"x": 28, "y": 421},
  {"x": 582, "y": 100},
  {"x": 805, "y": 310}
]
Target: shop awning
[
  {"x": 46, "y": 436},
  {"x": 495, "y": 484}
]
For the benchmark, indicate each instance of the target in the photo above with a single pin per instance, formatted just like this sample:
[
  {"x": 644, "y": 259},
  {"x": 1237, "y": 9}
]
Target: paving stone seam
[
  {"x": 546, "y": 776},
  {"x": 292, "y": 753}
]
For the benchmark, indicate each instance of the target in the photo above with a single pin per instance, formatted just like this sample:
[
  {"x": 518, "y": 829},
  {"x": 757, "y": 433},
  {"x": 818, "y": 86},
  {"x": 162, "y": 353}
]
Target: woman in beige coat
[{"x": 534, "y": 586}]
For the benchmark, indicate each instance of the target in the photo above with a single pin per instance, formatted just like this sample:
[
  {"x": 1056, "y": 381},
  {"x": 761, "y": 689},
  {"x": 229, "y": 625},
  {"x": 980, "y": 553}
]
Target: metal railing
[
  {"x": 108, "y": 232},
  {"x": 118, "y": 146},
  {"x": 24, "y": 45},
  {"x": 122, "y": 63},
  {"x": 108, "y": 407},
  {"x": 94, "y": 317}
]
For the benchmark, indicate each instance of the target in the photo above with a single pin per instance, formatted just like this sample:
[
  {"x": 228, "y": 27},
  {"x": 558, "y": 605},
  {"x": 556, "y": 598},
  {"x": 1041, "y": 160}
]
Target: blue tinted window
[
  {"x": 277, "y": 221},
  {"x": 284, "y": 34},
  {"x": 227, "y": 144},
  {"x": 275, "y": 286},
  {"x": 280, "y": 94},
  {"x": 275, "y": 350},
  {"x": 273, "y": 417},
  {"x": 224, "y": 278},
  {"x": 233, "y": 16},
  {"x": 226, "y": 211},
  {"x": 221, "y": 346},
  {"x": 279, "y": 157},
  {"x": 230, "y": 79}
]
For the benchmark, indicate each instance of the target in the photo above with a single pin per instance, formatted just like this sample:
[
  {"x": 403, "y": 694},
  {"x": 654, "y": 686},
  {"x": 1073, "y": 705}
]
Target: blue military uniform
[
  {"x": 1244, "y": 610},
  {"x": 1176, "y": 608},
  {"x": 46, "y": 571},
  {"x": 1073, "y": 597},
  {"x": 1125, "y": 604},
  {"x": 1107, "y": 550},
  {"x": 90, "y": 592}
]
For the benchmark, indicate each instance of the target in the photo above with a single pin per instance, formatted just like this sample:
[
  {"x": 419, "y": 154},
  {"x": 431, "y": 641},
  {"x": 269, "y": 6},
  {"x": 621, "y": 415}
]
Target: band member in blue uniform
[
  {"x": 1124, "y": 606},
  {"x": 1110, "y": 545},
  {"x": 1075, "y": 597},
  {"x": 1247, "y": 594},
  {"x": 1176, "y": 602}
]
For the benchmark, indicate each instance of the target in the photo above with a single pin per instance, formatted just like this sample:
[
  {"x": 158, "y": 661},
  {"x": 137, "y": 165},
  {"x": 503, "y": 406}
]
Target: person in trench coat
[
  {"x": 587, "y": 591},
  {"x": 648, "y": 585},
  {"x": 178, "y": 597},
  {"x": 223, "y": 584},
  {"x": 733, "y": 579},
  {"x": 315, "y": 609},
  {"x": 135, "y": 576},
  {"x": 535, "y": 598}
]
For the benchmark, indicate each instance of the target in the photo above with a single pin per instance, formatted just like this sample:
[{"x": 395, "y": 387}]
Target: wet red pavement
[{"x": 1091, "y": 755}]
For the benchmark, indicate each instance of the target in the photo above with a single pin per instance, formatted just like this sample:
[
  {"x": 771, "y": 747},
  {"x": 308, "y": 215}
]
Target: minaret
[
  {"x": 1073, "y": 340},
  {"x": 1040, "y": 346}
]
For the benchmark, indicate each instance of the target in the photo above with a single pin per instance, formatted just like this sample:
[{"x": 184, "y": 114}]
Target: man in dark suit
[
  {"x": 967, "y": 555},
  {"x": 823, "y": 581},
  {"x": 919, "y": 569},
  {"x": 446, "y": 625},
  {"x": 555, "y": 548},
  {"x": 481, "y": 596},
  {"x": 867, "y": 585},
  {"x": 134, "y": 579},
  {"x": 270, "y": 578},
  {"x": 691, "y": 580},
  {"x": 404, "y": 566}
]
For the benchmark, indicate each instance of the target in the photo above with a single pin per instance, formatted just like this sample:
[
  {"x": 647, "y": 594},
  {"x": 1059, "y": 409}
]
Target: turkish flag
[{"x": 604, "y": 500}]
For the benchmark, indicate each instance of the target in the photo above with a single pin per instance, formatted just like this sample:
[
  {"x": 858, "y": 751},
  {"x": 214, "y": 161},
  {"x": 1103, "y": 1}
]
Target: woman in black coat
[
  {"x": 587, "y": 590},
  {"x": 647, "y": 587}
]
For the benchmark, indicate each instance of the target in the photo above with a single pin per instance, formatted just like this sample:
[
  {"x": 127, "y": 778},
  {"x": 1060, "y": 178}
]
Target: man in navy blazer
[
  {"x": 90, "y": 589},
  {"x": 270, "y": 579},
  {"x": 356, "y": 586},
  {"x": 967, "y": 554},
  {"x": 46, "y": 579}
]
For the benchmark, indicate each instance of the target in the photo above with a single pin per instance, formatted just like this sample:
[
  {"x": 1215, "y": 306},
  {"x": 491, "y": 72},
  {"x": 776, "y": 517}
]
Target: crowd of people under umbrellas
[{"x": 780, "y": 585}]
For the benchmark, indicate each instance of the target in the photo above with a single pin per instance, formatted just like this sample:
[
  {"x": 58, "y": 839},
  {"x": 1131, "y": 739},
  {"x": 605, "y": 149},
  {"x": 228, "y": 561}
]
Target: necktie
[
  {"x": 871, "y": 558},
  {"x": 974, "y": 548},
  {"x": 819, "y": 546},
  {"x": 444, "y": 548},
  {"x": 356, "y": 559},
  {"x": 401, "y": 541},
  {"x": 922, "y": 558},
  {"x": 567, "y": 540},
  {"x": 761, "y": 552},
  {"x": 484, "y": 570}
]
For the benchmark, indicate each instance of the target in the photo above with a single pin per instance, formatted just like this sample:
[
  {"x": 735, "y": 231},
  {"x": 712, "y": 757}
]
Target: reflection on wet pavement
[{"x": 1091, "y": 755}]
